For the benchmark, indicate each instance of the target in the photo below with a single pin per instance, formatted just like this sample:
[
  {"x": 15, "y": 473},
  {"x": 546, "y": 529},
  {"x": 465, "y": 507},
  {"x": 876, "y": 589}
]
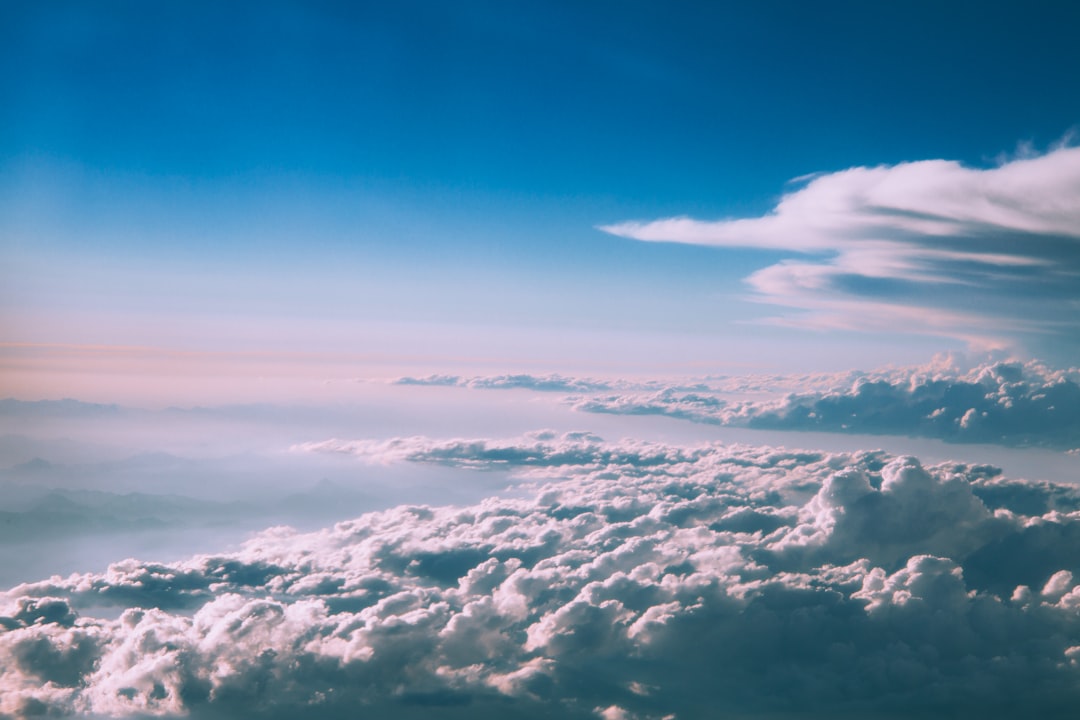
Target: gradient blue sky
[{"x": 424, "y": 183}]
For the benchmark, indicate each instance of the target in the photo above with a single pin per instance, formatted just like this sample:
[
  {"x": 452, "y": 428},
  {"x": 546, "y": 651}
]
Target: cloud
[
  {"x": 540, "y": 451},
  {"x": 931, "y": 247},
  {"x": 539, "y": 383},
  {"x": 1007, "y": 402},
  {"x": 696, "y": 406},
  {"x": 1010, "y": 403},
  {"x": 631, "y": 579},
  {"x": 542, "y": 383}
]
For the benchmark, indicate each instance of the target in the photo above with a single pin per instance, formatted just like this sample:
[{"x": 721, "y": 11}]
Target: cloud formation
[
  {"x": 541, "y": 383},
  {"x": 1008, "y": 403},
  {"x": 930, "y": 247},
  {"x": 633, "y": 580}
]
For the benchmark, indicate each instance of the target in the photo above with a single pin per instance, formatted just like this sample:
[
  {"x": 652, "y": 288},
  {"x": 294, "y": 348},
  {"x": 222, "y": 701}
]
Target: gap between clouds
[{"x": 931, "y": 247}]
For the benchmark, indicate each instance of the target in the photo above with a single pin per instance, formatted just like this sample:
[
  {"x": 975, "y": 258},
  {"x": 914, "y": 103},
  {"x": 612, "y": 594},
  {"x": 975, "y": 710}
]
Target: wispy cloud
[
  {"x": 925, "y": 247},
  {"x": 542, "y": 383}
]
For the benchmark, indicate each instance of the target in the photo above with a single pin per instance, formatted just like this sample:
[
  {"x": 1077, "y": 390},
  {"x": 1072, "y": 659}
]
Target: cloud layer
[
  {"x": 541, "y": 383},
  {"x": 932, "y": 247},
  {"x": 549, "y": 383},
  {"x": 630, "y": 580},
  {"x": 1008, "y": 403},
  {"x": 1002, "y": 402}
]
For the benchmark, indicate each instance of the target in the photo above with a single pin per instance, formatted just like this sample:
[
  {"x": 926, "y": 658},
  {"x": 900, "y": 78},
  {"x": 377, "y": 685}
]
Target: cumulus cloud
[
  {"x": 1007, "y": 402},
  {"x": 1004, "y": 402},
  {"x": 630, "y": 580},
  {"x": 925, "y": 247},
  {"x": 1010, "y": 403}
]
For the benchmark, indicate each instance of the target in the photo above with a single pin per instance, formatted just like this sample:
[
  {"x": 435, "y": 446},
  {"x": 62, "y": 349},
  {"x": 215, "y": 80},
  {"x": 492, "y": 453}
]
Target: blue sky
[{"x": 421, "y": 164}]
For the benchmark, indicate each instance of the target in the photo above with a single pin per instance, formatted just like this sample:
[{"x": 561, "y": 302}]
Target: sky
[
  {"x": 432, "y": 184},
  {"x": 743, "y": 313}
]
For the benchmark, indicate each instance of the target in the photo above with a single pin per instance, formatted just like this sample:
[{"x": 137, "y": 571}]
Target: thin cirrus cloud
[
  {"x": 931, "y": 247},
  {"x": 633, "y": 580}
]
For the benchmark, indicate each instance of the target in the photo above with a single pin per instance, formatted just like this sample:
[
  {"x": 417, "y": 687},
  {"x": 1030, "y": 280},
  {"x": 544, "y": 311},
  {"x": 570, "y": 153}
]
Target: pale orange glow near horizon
[{"x": 148, "y": 376}]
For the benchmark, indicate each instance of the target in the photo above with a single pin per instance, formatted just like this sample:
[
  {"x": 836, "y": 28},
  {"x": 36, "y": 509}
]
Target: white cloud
[
  {"x": 1010, "y": 403},
  {"x": 927, "y": 247},
  {"x": 633, "y": 580},
  {"x": 933, "y": 198}
]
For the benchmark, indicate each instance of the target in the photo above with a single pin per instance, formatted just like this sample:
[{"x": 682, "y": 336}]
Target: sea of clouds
[{"x": 621, "y": 579}]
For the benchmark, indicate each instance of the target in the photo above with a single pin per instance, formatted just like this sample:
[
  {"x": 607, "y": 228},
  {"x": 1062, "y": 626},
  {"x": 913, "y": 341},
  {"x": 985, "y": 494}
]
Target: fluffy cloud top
[
  {"x": 927, "y": 247},
  {"x": 1005, "y": 402},
  {"x": 632, "y": 580},
  {"x": 1008, "y": 403},
  {"x": 1002, "y": 402}
]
